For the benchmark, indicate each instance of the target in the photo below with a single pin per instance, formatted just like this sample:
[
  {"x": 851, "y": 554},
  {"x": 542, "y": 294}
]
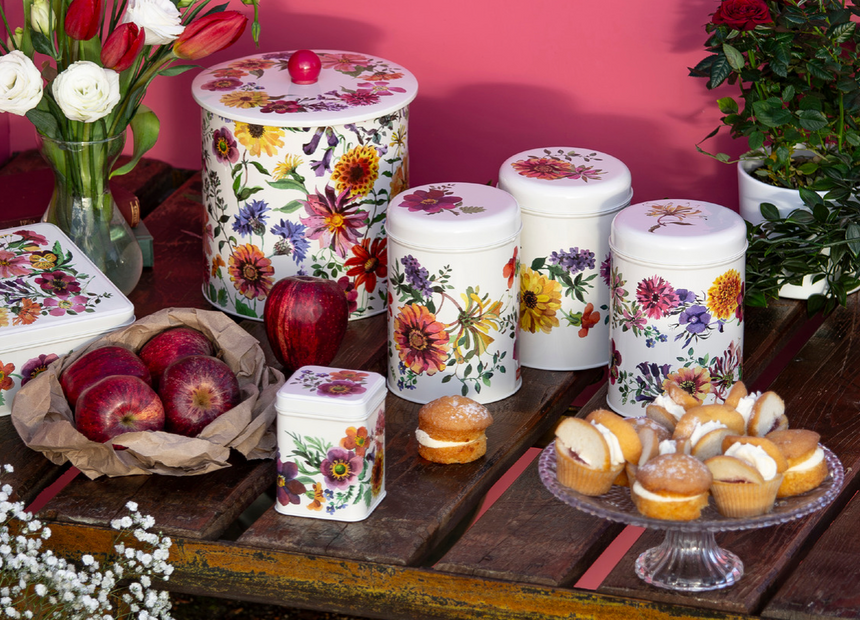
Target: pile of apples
[{"x": 174, "y": 383}]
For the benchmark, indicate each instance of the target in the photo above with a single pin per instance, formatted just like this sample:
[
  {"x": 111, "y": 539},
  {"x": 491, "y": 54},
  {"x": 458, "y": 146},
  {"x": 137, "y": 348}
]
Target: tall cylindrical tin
[
  {"x": 453, "y": 283},
  {"x": 568, "y": 198},
  {"x": 676, "y": 301},
  {"x": 297, "y": 177}
]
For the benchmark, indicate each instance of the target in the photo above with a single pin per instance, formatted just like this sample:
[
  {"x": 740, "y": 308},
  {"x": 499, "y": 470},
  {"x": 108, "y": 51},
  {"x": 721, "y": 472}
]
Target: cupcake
[
  {"x": 585, "y": 461},
  {"x": 451, "y": 429},
  {"x": 746, "y": 488},
  {"x": 626, "y": 436},
  {"x": 669, "y": 406},
  {"x": 672, "y": 487},
  {"x": 806, "y": 465}
]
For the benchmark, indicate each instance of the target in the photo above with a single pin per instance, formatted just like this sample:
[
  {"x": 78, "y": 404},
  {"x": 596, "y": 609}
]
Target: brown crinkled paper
[{"x": 45, "y": 421}]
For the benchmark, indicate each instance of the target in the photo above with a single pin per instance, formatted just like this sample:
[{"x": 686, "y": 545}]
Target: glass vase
[{"x": 82, "y": 206}]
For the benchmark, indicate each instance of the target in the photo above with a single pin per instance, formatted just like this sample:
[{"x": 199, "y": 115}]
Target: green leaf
[
  {"x": 769, "y": 212},
  {"x": 817, "y": 69},
  {"x": 42, "y": 44},
  {"x": 812, "y": 120},
  {"x": 260, "y": 168},
  {"x": 735, "y": 58},
  {"x": 244, "y": 309},
  {"x": 756, "y": 140},
  {"x": 144, "y": 125},
  {"x": 770, "y": 113},
  {"x": 45, "y": 123},
  {"x": 293, "y": 205},
  {"x": 177, "y": 69},
  {"x": 720, "y": 71},
  {"x": 727, "y": 105},
  {"x": 287, "y": 184},
  {"x": 810, "y": 198},
  {"x": 852, "y": 235},
  {"x": 840, "y": 33}
]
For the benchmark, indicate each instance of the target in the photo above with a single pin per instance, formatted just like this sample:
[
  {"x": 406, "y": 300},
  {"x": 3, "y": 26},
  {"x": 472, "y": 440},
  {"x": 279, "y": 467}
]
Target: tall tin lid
[
  {"x": 453, "y": 216},
  {"x": 258, "y": 90},
  {"x": 330, "y": 393},
  {"x": 50, "y": 291},
  {"x": 678, "y": 232},
  {"x": 566, "y": 181}
]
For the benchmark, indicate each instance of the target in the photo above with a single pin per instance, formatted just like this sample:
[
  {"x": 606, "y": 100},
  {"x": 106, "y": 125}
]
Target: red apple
[
  {"x": 170, "y": 345},
  {"x": 98, "y": 364},
  {"x": 116, "y": 405},
  {"x": 306, "y": 320},
  {"x": 195, "y": 390}
]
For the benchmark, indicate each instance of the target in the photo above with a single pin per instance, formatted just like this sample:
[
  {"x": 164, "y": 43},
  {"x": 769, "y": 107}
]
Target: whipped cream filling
[
  {"x": 755, "y": 456},
  {"x": 426, "y": 440},
  {"x": 616, "y": 455},
  {"x": 745, "y": 405},
  {"x": 809, "y": 463},
  {"x": 667, "y": 446},
  {"x": 700, "y": 430},
  {"x": 665, "y": 401},
  {"x": 645, "y": 493}
]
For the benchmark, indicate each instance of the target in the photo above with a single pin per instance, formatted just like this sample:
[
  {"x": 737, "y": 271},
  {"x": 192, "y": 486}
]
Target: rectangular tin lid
[
  {"x": 330, "y": 393},
  {"x": 50, "y": 291}
]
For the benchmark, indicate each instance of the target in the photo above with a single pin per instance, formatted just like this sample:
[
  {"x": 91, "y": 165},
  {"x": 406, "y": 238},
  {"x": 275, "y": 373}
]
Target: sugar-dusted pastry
[
  {"x": 806, "y": 465},
  {"x": 768, "y": 415},
  {"x": 628, "y": 438},
  {"x": 696, "y": 416},
  {"x": 585, "y": 460},
  {"x": 672, "y": 487},
  {"x": 641, "y": 422},
  {"x": 451, "y": 429}
]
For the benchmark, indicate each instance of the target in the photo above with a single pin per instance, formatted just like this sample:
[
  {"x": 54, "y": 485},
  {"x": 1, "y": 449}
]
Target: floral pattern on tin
[
  {"x": 659, "y": 312},
  {"x": 437, "y": 199},
  {"x": 424, "y": 345},
  {"x": 560, "y": 165},
  {"x": 670, "y": 214}
]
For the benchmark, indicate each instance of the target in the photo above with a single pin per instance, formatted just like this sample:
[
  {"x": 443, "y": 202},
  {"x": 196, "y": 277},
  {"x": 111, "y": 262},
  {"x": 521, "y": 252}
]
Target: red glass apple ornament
[{"x": 304, "y": 67}]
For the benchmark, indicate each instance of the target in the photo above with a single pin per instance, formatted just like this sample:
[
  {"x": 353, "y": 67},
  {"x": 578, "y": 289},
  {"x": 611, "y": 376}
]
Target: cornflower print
[
  {"x": 421, "y": 341},
  {"x": 369, "y": 262},
  {"x": 656, "y": 296},
  {"x": 251, "y": 218},
  {"x": 292, "y": 240},
  {"x": 540, "y": 299},
  {"x": 224, "y": 146},
  {"x": 36, "y": 366},
  {"x": 288, "y": 489},
  {"x": 724, "y": 296},
  {"x": 357, "y": 171},
  {"x": 260, "y": 139},
  {"x": 341, "y": 468},
  {"x": 251, "y": 272},
  {"x": 695, "y": 318},
  {"x": 332, "y": 220},
  {"x": 13, "y": 265}
]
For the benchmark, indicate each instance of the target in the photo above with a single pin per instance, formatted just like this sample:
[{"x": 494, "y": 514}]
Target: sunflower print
[
  {"x": 259, "y": 138},
  {"x": 357, "y": 171},
  {"x": 540, "y": 298}
]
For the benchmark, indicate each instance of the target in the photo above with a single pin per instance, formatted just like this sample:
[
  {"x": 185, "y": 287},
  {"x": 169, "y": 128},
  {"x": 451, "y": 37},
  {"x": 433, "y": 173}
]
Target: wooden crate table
[{"x": 415, "y": 556}]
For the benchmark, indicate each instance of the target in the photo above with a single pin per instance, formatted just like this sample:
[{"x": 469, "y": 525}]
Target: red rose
[{"x": 742, "y": 14}]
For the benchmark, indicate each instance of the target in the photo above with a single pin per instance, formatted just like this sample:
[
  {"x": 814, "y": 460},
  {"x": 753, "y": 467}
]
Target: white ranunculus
[
  {"x": 160, "y": 20},
  {"x": 86, "y": 92},
  {"x": 20, "y": 83},
  {"x": 41, "y": 16}
]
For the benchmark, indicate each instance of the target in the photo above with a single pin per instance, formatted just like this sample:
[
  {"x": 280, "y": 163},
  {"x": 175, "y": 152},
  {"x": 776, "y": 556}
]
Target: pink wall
[{"x": 497, "y": 77}]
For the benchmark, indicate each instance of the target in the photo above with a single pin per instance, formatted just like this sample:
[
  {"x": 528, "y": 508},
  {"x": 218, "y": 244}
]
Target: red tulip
[
  {"x": 82, "y": 19},
  {"x": 210, "y": 34},
  {"x": 122, "y": 47}
]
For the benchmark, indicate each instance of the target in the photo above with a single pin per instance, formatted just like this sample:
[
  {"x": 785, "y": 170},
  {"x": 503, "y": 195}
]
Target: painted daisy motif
[
  {"x": 251, "y": 272},
  {"x": 695, "y": 381},
  {"x": 725, "y": 294},
  {"x": 656, "y": 296},
  {"x": 332, "y": 220},
  {"x": 357, "y": 171},
  {"x": 260, "y": 139},
  {"x": 421, "y": 341},
  {"x": 540, "y": 299},
  {"x": 368, "y": 262}
]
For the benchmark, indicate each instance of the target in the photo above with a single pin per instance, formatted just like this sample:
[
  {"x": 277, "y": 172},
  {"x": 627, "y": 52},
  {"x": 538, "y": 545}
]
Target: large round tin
[
  {"x": 568, "y": 198},
  {"x": 453, "y": 286},
  {"x": 676, "y": 301},
  {"x": 297, "y": 177}
]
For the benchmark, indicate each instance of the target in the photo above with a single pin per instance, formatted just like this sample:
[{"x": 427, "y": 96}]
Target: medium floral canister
[
  {"x": 297, "y": 176},
  {"x": 568, "y": 197},
  {"x": 453, "y": 283},
  {"x": 53, "y": 300},
  {"x": 331, "y": 443},
  {"x": 676, "y": 301}
]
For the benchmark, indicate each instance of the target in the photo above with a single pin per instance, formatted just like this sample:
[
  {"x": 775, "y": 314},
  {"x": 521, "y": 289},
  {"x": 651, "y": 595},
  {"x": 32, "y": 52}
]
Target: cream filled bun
[
  {"x": 451, "y": 429},
  {"x": 707, "y": 439},
  {"x": 671, "y": 487},
  {"x": 640, "y": 423},
  {"x": 746, "y": 479},
  {"x": 806, "y": 465},
  {"x": 736, "y": 393},
  {"x": 696, "y": 416},
  {"x": 768, "y": 415},
  {"x": 585, "y": 461}
]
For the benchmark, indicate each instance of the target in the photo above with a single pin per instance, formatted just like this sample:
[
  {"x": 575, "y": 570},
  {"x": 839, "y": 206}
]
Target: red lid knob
[{"x": 304, "y": 67}]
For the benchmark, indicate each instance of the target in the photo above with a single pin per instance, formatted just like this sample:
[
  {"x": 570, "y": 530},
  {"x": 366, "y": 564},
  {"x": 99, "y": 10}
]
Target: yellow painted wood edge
[{"x": 228, "y": 570}]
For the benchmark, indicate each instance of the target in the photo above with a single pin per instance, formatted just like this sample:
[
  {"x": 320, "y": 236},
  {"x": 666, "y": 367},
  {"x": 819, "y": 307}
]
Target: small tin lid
[
  {"x": 566, "y": 181},
  {"x": 678, "y": 232},
  {"x": 258, "y": 90},
  {"x": 330, "y": 393},
  {"x": 51, "y": 291},
  {"x": 453, "y": 216}
]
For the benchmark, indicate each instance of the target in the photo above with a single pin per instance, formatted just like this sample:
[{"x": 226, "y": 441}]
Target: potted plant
[{"x": 794, "y": 64}]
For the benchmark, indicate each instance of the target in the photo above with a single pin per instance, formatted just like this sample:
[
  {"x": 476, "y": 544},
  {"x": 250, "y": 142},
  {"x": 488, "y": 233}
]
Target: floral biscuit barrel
[
  {"x": 453, "y": 284},
  {"x": 568, "y": 198},
  {"x": 676, "y": 301},
  {"x": 331, "y": 443},
  {"x": 297, "y": 176}
]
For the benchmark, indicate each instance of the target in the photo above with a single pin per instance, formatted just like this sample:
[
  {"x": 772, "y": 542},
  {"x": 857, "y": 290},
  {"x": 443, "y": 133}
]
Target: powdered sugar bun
[
  {"x": 642, "y": 422},
  {"x": 660, "y": 415},
  {"x": 766, "y": 444},
  {"x": 671, "y": 486},
  {"x": 583, "y": 458},
  {"x": 451, "y": 429},
  {"x": 680, "y": 395},
  {"x": 710, "y": 444},
  {"x": 739, "y": 489}
]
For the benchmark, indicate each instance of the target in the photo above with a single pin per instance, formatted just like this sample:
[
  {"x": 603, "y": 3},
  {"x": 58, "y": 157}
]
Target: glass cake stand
[{"x": 689, "y": 558}]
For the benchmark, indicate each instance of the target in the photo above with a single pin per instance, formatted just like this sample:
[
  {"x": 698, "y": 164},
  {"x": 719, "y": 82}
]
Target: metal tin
[
  {"x": 453, "y": 287},
  {"x": 331, "y": 443},
  {"x": 297, "y": 177},
  {"x": 568, "y": 198},
  {"x": 53, "y": 300},
  {"x": 676, "y": 301}
]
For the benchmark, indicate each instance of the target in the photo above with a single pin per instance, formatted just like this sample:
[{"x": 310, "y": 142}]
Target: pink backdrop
[{"x": 497, "y": 77}]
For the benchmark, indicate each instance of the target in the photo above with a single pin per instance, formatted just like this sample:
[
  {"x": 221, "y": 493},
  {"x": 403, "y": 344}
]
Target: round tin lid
[
  {"x": 453, "y": 216},
  {"x": 566, "y": 181},
  {"x": 258, "y": 90},
  {"x": 678, "y": 232}
]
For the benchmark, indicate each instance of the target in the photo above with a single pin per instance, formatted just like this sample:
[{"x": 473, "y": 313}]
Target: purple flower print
[
  {"x": 606, "y": 269},
  {"x": 614, "y": 362},
  {"x": 685, "y": 296},
  {"x": 293, "y": 242},
  {"x": 432, "y": 201},
  {"x": 251, "y": 218},
  {"x": 574, "y": 261},
  {"x": 656, "y": 296},
  {"x": 635, "y": 321},
  {"x": 696, "y": 318},
  {"x": 59, "y": 307},
  {"x": 289, "y": 489},
  {"x": 584, "y": 173},
  {"x": 36, "y": 366},
  {"x": 416, "y": 275},
  {"x": 332, "y": 220},
  {"x": 341, "y": 468},
  {"x": 381, "y": 88},
  {"x": 282, "y": 107},
  {"x": 224, "y": 146},
  {"x": 58, "y": 284},
  {"x": 340, "y": 388}
]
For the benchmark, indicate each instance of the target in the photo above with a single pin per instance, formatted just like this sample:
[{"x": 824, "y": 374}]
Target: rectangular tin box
[
  {"x": 331, "y": 443},
  {"x": 53, "y": 299}
]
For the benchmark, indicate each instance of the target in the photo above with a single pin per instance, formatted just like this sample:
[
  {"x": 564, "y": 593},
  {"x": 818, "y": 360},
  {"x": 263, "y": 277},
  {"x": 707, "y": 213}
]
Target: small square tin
[
  {"x": 53, "y": 300},
  {"x": 331, "y": 443}
]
